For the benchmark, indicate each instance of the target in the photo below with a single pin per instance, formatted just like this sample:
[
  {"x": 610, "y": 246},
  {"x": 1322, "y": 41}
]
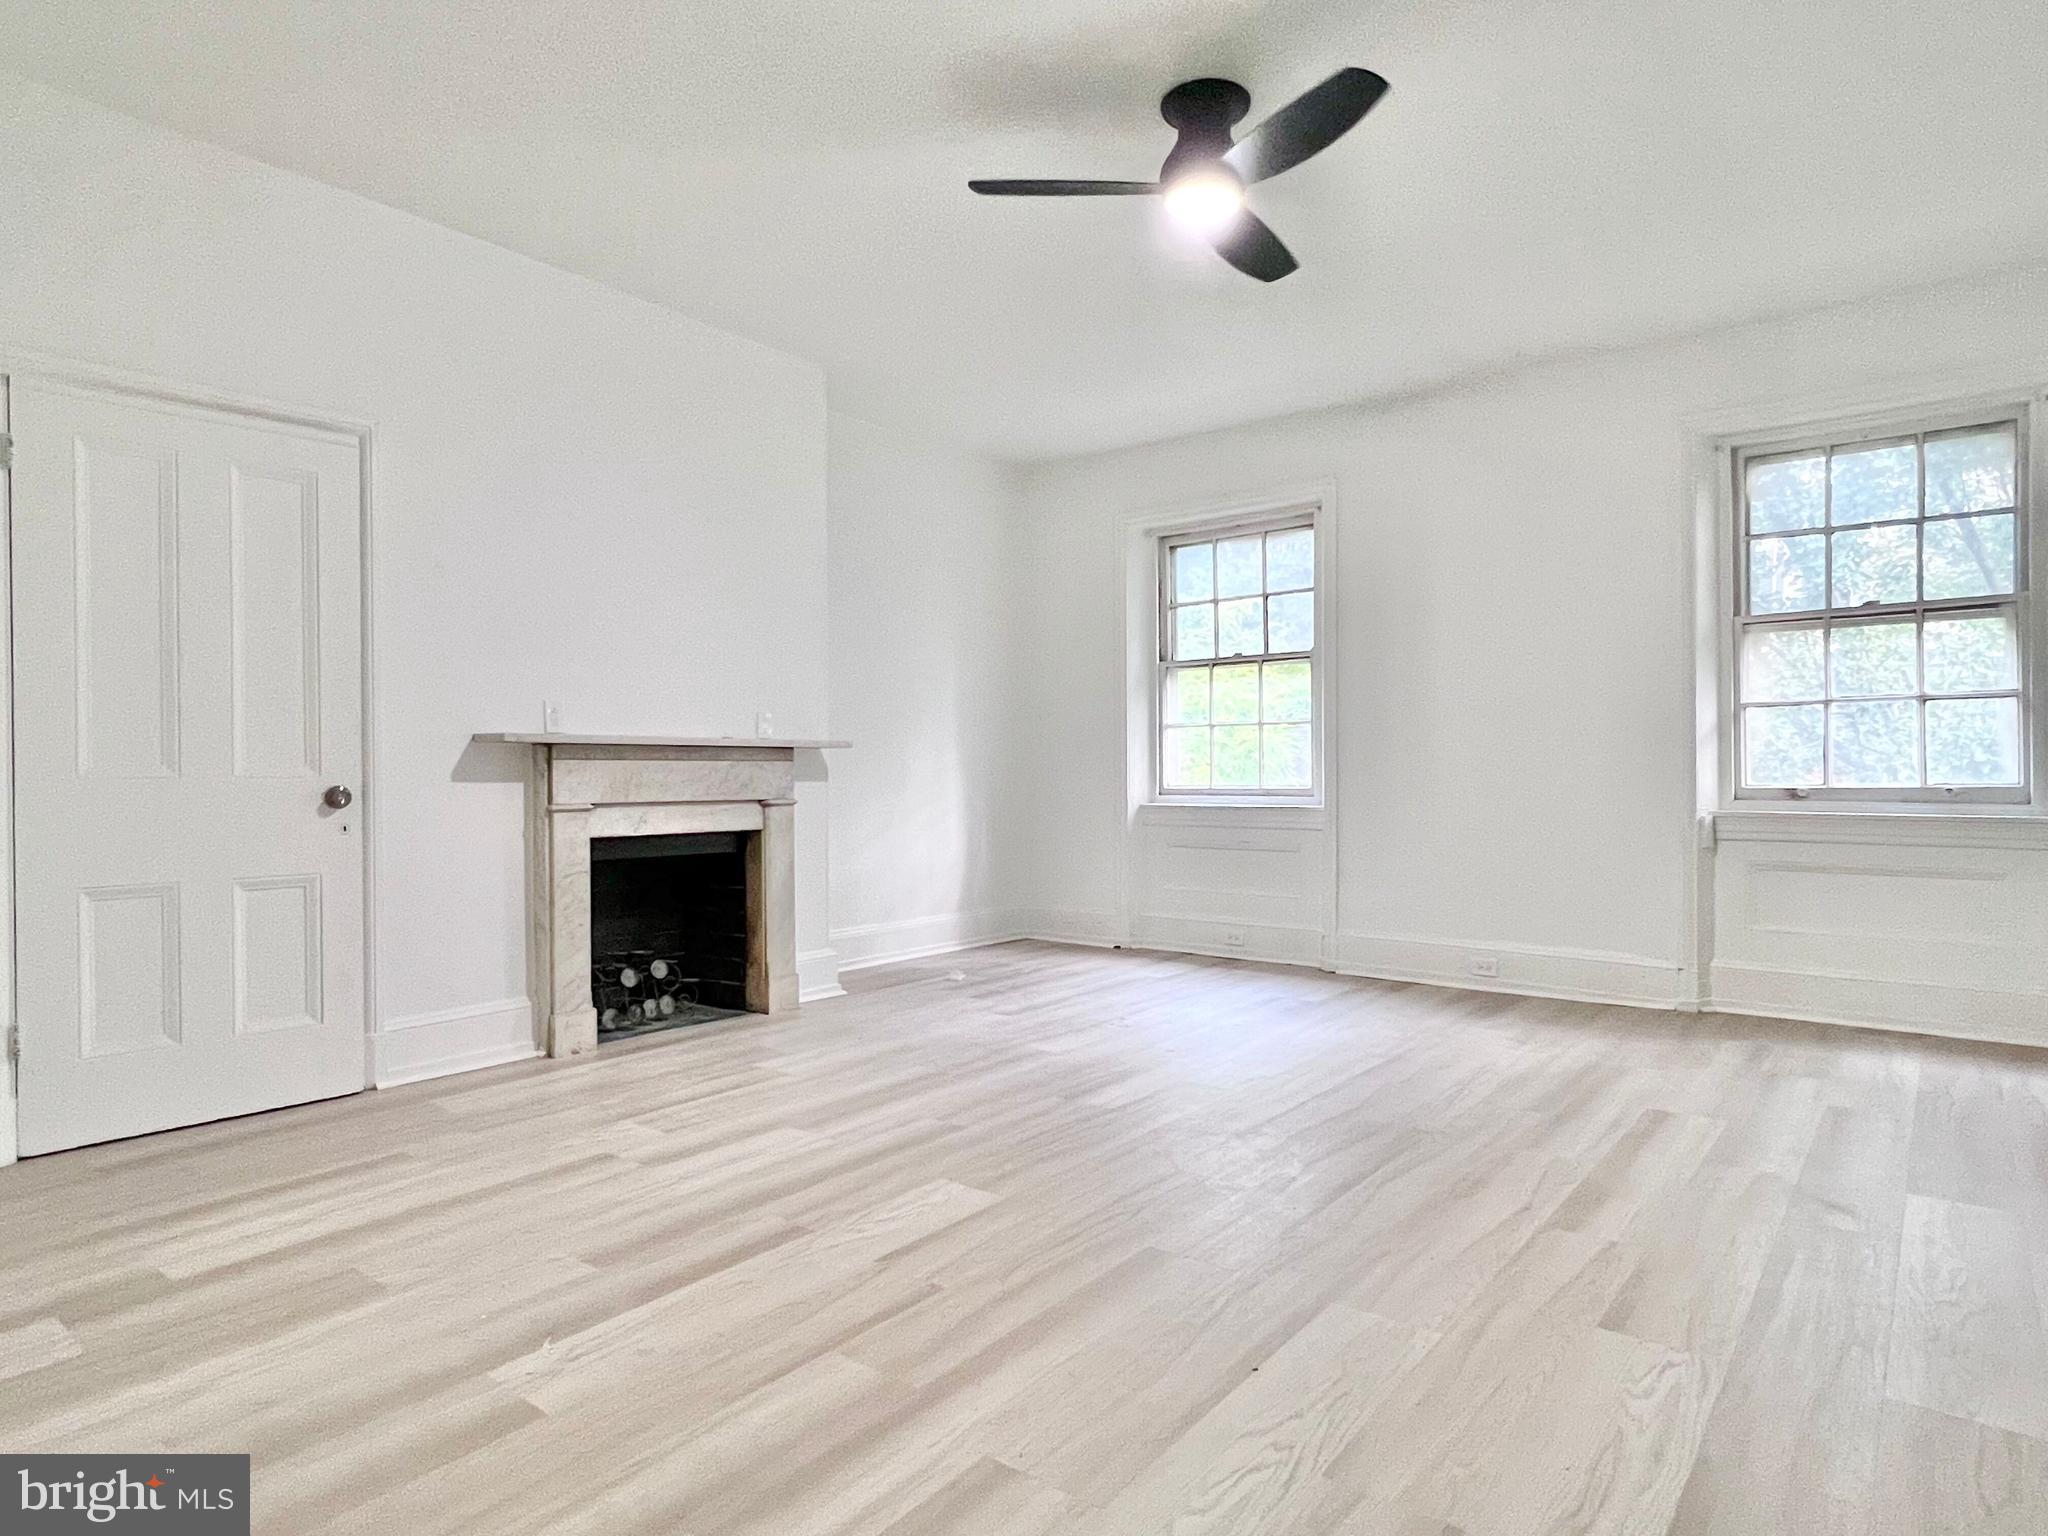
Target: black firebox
[{"x": 668, "y": 930}]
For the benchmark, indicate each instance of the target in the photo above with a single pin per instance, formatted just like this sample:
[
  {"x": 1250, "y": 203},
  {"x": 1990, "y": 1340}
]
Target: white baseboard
[
  {"x": 913, "y": 938},
  {"x": 1583, "y": 976},
  {"x": 817, "y": 976},
  {"x": 425, "y": 1045},
  {"x": 1590, "y": 976},
  {"x": 918, "y": 938},
  {"x": 1067, "y": 925},
  {"x": 1915, "y": 1007},
  {"x": 1277, "y": 943}
]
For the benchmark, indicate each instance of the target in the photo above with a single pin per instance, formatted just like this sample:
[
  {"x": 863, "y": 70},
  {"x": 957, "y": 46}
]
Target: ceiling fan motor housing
[{"x": 1203, "y": 112}]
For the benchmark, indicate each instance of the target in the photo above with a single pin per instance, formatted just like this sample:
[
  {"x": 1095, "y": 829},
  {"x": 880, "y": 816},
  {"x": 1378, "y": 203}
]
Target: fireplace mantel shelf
[{"x": 559, "y": 739}]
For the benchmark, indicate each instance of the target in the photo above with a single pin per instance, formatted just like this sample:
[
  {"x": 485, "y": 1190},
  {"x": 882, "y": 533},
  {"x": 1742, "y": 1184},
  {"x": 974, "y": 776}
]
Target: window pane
[
  {"x": 1787, "y": 493},
  {"x": 1970, "y": 557},
  {"x": 1194, "y": 632},
  {"x": 1973, "y": 741},
  {"x": 1782, "y": 664},
  {"x": 1869, "y": 485},
  {"x": 1290, "y": 560},
  {"x": 1782, "y": 746},
  {"x": 1972, "y": 655},
  {"x": 1238, "y": 566},
  {"x": 1876, "y": 565},
  {"x": 1291, "y": 622},
  {"x": 1287, "y": 691},
  {"x": 1236, "y": 762},
  {"x": 1187, "y": 696},
  {"x": 1786, "y": 575},
  {"x": 1194, "y": 573},
  {"x": 1874, "y": 658},
  {"x": 1237, "y": 695},
  {"x": 1970, "y": 472},
  {"x": 1186, "y": 759},
  {"x": 1240, "y": 631},
  {"x": 1874, "y": 745},
  {"x": 1286, "y": 757}
]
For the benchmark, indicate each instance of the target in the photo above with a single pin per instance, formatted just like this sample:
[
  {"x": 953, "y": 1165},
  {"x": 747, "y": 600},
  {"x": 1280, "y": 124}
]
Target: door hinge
[
  {"x": 6, "y": 451},
  {"x": 14, "y": 1042}
]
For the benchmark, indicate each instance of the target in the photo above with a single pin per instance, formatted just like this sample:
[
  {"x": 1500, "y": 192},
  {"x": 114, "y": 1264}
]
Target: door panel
[
  {"x": 274, "y": 528},
  {"x": 187, "y": 683},
  {"x": 125, "y": 537},
  {"x": 129, "y": 939},
  {"x": 277, "y": 953}
]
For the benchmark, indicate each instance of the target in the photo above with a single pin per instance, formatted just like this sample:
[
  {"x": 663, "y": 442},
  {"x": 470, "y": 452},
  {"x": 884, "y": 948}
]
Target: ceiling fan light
[{"x": 1205, "y": 203}]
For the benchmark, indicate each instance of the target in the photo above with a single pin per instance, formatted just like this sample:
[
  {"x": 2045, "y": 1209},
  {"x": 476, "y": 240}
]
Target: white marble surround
[{"x": 582, "y": 787}]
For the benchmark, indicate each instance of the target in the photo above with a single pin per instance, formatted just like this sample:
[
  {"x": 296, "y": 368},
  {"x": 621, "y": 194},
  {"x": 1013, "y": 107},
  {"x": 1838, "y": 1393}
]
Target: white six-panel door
[{"x": 187, "y": 654}]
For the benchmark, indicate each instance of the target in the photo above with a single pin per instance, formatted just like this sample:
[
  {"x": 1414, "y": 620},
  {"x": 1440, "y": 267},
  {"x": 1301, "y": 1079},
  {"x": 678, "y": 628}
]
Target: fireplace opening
[{"x": 668, "y": 930}]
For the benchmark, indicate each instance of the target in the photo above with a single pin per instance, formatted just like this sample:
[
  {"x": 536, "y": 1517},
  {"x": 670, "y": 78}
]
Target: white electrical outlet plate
[{"x": 1485, "y": 965}]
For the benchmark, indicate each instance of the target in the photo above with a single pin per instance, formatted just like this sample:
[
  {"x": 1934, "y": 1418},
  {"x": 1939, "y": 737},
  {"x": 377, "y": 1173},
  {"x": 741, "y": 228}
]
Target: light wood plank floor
[{"x": 1035, "y": 1240}]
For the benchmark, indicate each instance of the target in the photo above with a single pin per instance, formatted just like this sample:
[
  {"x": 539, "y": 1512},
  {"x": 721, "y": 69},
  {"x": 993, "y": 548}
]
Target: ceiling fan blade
[
  {"x": 1255, "y": 250},
  {"x": 1062, "y": 188},
  {"x": 1312, "y": 122}
]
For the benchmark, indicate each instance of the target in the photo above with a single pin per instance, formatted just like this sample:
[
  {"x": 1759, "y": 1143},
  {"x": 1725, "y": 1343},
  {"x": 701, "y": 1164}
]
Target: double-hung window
[
  {"x": 1237, "y": 662},
  {"x": 1881, "y": 630}
]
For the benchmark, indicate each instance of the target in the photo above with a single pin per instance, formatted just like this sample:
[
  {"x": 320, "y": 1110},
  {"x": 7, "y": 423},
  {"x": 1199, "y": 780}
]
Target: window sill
[
  {"x": 1283, "y": 813},
  {"x": 2001, "y": 827}
]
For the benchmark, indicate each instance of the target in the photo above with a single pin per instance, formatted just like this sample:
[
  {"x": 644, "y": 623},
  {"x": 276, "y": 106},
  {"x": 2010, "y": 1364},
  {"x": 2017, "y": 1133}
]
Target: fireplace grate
[{"x": 639, "y": 990}]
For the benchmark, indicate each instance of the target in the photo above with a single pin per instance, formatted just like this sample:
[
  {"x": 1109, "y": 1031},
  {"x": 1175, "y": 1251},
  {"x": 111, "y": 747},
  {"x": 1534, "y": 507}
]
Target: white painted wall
[
  {"x": 1516, "y": 751},
  {"x": 922, "y": 626},
  {"x": 578, "y": 496}
]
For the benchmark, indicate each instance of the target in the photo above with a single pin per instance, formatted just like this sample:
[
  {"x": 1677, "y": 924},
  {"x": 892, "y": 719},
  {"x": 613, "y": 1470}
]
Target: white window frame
[
  {"x": 1300, "y": 517},
  {"x": 1148, "y": 535},
  {"x": 1734, "y": 451}
]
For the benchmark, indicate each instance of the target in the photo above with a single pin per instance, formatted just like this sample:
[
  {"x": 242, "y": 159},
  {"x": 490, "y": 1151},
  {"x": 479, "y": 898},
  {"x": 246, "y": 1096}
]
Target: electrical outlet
[
  {"x": 1232, "y": 939},
  {"x": 1483, "y": 965}
]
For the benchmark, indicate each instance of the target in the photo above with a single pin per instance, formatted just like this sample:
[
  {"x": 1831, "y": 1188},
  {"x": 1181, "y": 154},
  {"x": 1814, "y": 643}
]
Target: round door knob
[{"x": 338, "y": 797}]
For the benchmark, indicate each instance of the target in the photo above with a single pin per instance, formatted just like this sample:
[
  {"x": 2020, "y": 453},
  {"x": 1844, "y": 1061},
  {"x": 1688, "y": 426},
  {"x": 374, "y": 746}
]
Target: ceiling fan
[{"x": 1204, "y": 177}]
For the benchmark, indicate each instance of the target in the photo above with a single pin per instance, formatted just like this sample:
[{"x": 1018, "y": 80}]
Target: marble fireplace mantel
[
  {"x": 561, "y": 739},
  {"x": 584, "y": 786}
]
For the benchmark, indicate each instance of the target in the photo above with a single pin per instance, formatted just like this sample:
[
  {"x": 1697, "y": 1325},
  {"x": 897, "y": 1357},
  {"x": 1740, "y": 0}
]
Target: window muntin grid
[
  {"x": 1236, "y": 662},
  {"x": 1879, "y": 644}
]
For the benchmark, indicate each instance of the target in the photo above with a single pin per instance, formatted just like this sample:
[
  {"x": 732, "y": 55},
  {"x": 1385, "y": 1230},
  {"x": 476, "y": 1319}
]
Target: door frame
[{"x": 126, "y": 386}]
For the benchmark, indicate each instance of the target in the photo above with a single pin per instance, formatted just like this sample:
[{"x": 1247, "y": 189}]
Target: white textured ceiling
[{"x": 1545, "y": 176}]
